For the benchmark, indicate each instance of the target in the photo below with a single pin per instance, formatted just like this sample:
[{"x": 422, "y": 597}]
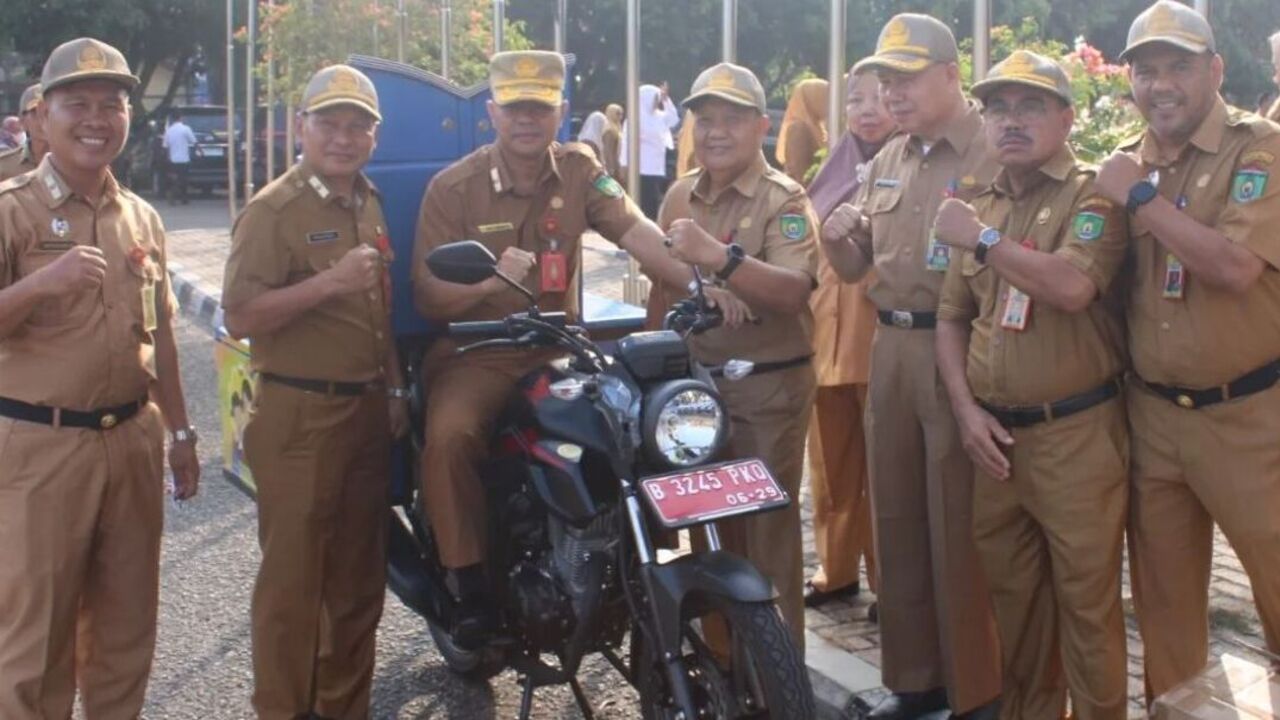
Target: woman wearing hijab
[
  {"x": 844, "y": 321},
  {"x": 611, "y": 140},
  {"x": 804, "y": 128},
  {"x": 592, "y": 132}
]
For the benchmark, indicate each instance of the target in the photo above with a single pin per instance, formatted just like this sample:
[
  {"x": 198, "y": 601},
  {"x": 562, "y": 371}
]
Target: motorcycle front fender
[{"x": 701, "y": 575}]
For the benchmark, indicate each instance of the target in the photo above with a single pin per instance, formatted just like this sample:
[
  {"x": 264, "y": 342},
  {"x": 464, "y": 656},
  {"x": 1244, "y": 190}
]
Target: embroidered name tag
[
  {"x": 496, "y": 227},
  {"x": 887, "y": 183},
  {"x": 322, "y": 237},
  {"x": 55, "y": 245}
]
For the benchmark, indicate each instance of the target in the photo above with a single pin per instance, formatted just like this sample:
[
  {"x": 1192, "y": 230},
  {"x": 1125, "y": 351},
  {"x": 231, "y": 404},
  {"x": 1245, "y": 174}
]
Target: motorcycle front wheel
[{"x": 760, "y": 675}]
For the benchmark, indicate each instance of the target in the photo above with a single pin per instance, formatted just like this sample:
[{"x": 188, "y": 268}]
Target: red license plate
[{"x": 713, "y": 492}]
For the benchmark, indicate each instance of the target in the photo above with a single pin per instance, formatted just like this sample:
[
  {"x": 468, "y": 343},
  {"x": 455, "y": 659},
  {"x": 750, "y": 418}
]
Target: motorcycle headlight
[{"x": 685, "y": 424}]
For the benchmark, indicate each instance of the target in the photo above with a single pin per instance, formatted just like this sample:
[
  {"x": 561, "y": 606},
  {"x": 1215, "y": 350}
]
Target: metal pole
[
  {"x": 981, "y": 38},
  {"x": 499, "y": 24},
  {"x": 375, "y": 27},
  {"x": 446, "y": 37},
  {"x": 289, "y": 113},
  {"x": 229, "y": 80},
  {"x": 562, "y": 23},
  {"x": 250, "y": 97},
  {"x": 729, "y": 30},
  {"x": 400, "y": 23},
  {"x": 835, "y": 73},
  {"x": 1202, "y": 7},
  {"x": 271, "y": 101},
  {"x": 632, "y": 290}
]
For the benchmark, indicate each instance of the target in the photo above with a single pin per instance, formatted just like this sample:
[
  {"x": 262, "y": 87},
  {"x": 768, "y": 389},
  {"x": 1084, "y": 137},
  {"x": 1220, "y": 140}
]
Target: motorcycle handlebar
[{"x": 478, "y": 328}]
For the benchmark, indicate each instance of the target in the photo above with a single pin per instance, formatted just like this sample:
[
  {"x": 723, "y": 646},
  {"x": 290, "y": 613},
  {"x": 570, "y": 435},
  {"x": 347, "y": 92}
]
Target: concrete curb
[
  {"x": 201, "y": 305},
  {"x": 838, "y": 676}
]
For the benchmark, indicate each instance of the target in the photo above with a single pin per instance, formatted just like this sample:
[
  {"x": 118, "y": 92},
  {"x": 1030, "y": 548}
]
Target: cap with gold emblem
[
  {"x": 1024, "y": 67},
  {"x": 910, "y": 43},
  {"x": 527, "y": 76},
  {"x": 85, "y": 59},
  {"x": 728, "y": 82},
  {"x": 340, "y": 85},
  {"x": 30, "y": 99},
  {"x": 1172, "y": 23}
]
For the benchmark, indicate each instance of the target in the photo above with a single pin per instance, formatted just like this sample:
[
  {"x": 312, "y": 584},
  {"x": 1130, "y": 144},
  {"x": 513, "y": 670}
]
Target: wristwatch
[
  {"x": 987, "y": 239},
  {"x": 398, "y": 393},
  {"x": 181, "y": 435},
  {"x": 1140, "y": 194},
  {"x": 736, "y": 256}
]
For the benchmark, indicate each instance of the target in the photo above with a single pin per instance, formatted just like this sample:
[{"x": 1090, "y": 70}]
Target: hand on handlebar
[{"x": 735, "y": 311}]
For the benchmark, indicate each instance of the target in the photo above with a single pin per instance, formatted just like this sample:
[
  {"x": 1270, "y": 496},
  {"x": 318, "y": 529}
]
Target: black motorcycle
[{"x": 594, "y": 456}]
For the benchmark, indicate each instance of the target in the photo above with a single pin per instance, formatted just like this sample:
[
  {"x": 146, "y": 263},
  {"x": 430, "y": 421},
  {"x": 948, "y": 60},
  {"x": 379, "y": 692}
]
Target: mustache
[{"x": 1014, "y": 135}]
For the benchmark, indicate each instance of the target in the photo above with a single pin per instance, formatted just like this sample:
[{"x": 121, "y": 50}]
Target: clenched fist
[
  {"x": 844, "y": 221},
  {"x": 957, "y": 224},
  {"x": 691, "y": 244},
  {"x": 360, "y": 270},
  {"x": 515, "y": 264},
  {"x": 1117, "y": 175},
  {"x": 80, "y": 268}
]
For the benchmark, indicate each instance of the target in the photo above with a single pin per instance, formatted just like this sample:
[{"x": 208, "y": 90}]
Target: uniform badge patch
[
  {"x": 60, "y": 227},
  {"x": 322, "y": 237},
  {"x": 794, "y": 227},
  {"x": 608, "y": 186},
  {"x": 1249, "y": 184},
  {"x": 1088, "y": 226}
]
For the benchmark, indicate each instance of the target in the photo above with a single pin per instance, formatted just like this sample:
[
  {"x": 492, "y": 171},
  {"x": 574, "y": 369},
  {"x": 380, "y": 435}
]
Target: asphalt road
[{"x": 208, "y": 565}]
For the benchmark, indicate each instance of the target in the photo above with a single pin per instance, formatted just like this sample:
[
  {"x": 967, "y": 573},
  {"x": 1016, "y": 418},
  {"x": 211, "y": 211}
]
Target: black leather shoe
[
  {"x": 910, "y": 705},
  {"x": 472, "y": 625},
  {"x": 873, "y": 613},
  {"x": 990, "y": 711},
  {"x": 813, "y": 597}
]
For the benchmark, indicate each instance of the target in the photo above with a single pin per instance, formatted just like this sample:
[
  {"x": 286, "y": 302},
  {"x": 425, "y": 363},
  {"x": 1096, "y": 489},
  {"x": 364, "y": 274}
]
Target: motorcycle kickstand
[
  {"x": 526, "y": 698},
  {"x": 581, "y": 697}
]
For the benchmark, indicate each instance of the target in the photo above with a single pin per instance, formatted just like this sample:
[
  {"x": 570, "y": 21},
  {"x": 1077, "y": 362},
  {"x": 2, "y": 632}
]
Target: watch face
[{"x": 989, "y": 237}]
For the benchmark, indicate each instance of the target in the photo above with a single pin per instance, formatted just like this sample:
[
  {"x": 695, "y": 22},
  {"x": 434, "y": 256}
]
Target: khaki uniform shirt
[
  {"x": 1058, "y": 354},
  {"x": 769, "y": 215},
  {"x": 93, "y": 348},
  {"x": 1274, "y": 113},
  {"x": 1223, "y": 180},
  {"x": 610, "y": 146},
  {"x": 294, "y": 229},
  {"x": 15, "y": 162},
  {"x": 475, "y": 199},
  {"x": 901, "y": 196}
]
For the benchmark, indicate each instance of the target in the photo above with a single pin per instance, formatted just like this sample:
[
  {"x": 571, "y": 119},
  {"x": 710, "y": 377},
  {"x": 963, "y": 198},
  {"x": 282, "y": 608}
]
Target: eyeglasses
[{"x": 1029, "y": 109}]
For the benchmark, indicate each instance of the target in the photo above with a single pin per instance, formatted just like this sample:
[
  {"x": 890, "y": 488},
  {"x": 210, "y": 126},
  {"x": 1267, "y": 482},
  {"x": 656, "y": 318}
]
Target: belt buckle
[
  {"x": 108, "y": 421},
  {"x": 1184, "y": 401},
  {"x": 902, "y": 319}
]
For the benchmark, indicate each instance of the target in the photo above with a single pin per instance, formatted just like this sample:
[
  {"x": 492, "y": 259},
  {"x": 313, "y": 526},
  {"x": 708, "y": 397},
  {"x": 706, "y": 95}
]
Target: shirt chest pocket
[
  {"x": 320, "y": 250},
  {"x": 67, "y": 308},
  {"x": 883, "y": 200}
]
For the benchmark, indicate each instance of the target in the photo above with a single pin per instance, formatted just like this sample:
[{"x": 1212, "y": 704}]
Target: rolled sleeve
[
  {"x": 1251, "y": 215},
  {"x": 956, "y": 301},
  {"x": 798, "y": 254},
  {"x": 610, "y": 211},
  {"x": 1099, "y": 257},
  {"x": 440, "y": 221}
]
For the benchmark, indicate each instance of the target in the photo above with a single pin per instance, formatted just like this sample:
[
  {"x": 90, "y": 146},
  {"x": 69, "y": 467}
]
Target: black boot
[
  {"x": 473, "y": 619},
  {"x": 910, "y": 705},
  {"x": 990, "y": 711}
]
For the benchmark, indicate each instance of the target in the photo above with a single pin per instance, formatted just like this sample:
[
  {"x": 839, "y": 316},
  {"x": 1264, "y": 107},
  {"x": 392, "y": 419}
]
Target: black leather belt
[
  {"x": 322, "y": 387},
  {"x": 1247, "y": 384},
  {"x": 101, "y": 419},
  {"x": 766, "y": 367},
  {"x": 906, "y": 320},
  {"x": 1026, "y": 416}
]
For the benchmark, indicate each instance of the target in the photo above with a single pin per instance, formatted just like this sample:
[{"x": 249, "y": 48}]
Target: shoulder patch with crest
[
  {"x": 607, "y": 186},
  {"x": 1089, "y": 225},
  {"x": 794, "y": 226},
  {"x": 1249, "y": 184}
]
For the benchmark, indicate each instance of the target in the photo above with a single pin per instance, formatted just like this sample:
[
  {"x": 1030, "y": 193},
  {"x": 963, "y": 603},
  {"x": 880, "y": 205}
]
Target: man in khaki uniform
[
  {"x": 529, "y": 200},
  {"x": 1274, "y": 113},
  {"x": 939, "y": 642},
  {"x": 89, "y": 381},
  {"x": 1027, "y": 311},
  {"x": 306, "y": 282},
  {"x": 24, "y": 159},
  {"x": 752, "y": 229},
  {"x": 1204, "y": 334}
]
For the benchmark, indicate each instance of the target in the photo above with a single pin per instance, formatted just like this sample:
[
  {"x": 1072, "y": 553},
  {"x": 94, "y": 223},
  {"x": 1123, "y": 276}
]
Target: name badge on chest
[
  {"x": 324, "y": 236},
  {"x": 555, "y": 268},
  {"x": 1175, "y": 278}
]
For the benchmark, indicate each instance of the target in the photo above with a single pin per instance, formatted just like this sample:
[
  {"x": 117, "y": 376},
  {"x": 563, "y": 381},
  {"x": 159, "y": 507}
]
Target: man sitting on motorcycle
[{"x": 528, "y": 199}]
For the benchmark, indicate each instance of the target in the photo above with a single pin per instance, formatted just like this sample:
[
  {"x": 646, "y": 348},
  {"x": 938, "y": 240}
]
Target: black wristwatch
[
  {"x": 736, "y": 256},
  {"x": 987, "y": 239},
  {"x": 1140, "y": 194}
]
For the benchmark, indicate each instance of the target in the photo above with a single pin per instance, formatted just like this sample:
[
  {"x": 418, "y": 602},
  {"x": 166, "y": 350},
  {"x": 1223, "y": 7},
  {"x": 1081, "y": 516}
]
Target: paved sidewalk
[{"x": 844, "y": 648}]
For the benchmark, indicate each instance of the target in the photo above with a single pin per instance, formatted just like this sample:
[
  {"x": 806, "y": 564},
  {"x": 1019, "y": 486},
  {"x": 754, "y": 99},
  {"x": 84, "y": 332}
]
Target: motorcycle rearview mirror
[{"x": 467, "y": 262}]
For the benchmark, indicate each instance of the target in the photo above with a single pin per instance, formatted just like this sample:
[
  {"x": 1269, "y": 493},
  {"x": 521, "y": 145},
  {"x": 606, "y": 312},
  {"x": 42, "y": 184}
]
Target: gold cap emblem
[
  {"x": 1019, "y": 63},
  {"x": 91, "y": 58},
  {"x": 526, "y": 68},
  {"x": 896, "y": 35},
  {"x": 1162, "y": 20},
  {"x": 721, "y": 79},
  {"x": 343, "y": 81}
]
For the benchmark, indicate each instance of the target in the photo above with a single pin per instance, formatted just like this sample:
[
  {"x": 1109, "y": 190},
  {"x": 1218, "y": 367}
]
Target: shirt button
[
  {"x": 916, "y": 209},
  {"x": 1164, "y": 326},
  {"x": 995, "y": 340},
  {"x": 378, "y": 334},
  {"x": 908, "y": 252},
  {"x": 1173, "y": 171},
  {"x": 373, "y": 296}
]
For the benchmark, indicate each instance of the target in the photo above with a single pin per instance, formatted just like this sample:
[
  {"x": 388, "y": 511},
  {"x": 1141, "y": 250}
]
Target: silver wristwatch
[
  {"x": 398, "y": 393},
  {"x": 186, "y": 434}
]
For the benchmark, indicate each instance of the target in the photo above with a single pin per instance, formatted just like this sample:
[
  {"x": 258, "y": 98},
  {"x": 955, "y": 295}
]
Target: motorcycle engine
[{"x": 552, "y": 591}]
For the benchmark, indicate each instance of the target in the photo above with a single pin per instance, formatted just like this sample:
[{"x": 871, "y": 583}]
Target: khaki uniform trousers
[
  {"x": 81, "y": 514},
  {"x": 936, "y": 622},
  {"x": 464, "y": 397},
  {"x": 322, "y": 466},
  {"x": 769, "y": 417},
  {"x": 1192, "y": 468},
  {"x": 838, "y": 484},
  {"x": 1051, "y": 540}
]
